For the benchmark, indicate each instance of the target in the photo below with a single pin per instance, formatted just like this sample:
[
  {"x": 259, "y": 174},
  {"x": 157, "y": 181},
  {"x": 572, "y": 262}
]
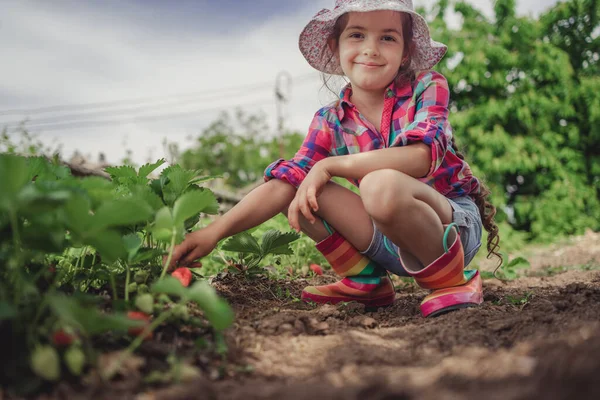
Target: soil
[{"x": 537, "y": 337}]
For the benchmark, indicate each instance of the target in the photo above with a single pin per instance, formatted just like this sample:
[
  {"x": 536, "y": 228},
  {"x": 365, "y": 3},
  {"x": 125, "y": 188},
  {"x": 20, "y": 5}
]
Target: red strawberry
[
  {"x": 184, "y": 275},
  {"x": 60, "y": 338},
  {"x": 316, "y": 268},
  {"x": 139, "y": 316}
]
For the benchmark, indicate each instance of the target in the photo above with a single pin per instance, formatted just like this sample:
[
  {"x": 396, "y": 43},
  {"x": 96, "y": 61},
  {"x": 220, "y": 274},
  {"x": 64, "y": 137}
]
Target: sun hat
[{"x": 313, "y": 39}]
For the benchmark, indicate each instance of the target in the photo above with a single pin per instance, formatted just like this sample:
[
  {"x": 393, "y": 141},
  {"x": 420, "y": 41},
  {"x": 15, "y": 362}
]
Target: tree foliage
[
  {"x": 525, "y": 107},
  {"x": 525, "y": 104}
]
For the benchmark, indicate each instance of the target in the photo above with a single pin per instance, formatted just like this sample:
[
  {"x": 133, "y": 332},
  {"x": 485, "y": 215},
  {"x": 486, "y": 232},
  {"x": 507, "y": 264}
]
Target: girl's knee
[{"x": 385, "y": 193}]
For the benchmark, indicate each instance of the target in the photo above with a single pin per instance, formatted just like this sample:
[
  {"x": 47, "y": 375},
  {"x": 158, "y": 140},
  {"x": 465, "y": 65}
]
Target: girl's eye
[
  {"x": 388, "y": 39},
  {"x": 355, "y": 35}
]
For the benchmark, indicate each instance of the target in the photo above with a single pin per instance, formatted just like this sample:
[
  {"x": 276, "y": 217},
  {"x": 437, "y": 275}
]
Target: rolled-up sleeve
[
  {"x": 316, "y": 146},
  {"x": 430, "y": 124}
]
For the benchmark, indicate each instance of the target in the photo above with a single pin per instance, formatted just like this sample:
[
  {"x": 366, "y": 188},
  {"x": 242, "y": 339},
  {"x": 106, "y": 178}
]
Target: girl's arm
[
  {"x": 413, "y": 160},
  {"x": 258, "y": 206}
]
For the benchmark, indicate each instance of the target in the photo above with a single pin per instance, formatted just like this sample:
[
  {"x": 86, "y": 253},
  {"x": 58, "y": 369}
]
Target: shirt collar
[{"x": 393, "y": 90}]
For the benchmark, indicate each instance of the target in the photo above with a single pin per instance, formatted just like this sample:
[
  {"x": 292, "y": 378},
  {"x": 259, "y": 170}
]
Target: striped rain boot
[
  {"x": 364, "y": 281},
  {"x": 452, "y": 287}
]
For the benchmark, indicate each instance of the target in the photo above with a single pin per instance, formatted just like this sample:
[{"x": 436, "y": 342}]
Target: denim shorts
[{"x": 465, "y": 214}]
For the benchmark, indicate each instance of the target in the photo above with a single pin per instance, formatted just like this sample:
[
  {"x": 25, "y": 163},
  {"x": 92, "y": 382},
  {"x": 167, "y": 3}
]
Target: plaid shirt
[{"x": 411, "y": 114}]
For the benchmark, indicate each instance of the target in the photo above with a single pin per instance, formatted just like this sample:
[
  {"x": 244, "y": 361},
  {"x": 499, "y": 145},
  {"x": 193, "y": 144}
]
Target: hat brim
[{"x": 313, "y": 39}]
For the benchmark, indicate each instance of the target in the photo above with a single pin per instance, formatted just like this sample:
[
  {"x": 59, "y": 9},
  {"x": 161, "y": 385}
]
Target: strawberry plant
[
  {"x": 251, "y": 252},
  {"x": 65, "y": 243}
]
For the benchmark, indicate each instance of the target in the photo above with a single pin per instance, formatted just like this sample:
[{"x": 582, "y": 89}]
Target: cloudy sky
[{"x": 105, "y": 76}]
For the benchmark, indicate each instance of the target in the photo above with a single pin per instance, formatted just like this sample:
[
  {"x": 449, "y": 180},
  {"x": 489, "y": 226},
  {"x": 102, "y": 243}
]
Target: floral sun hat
[{"x": 313, "y": 39}]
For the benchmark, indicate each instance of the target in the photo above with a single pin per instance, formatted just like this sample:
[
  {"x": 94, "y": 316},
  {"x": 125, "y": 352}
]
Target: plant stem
[
  {"x": 114, "y": 368},
  {"x": 16, "y": 236},
  {"x": 168, "y": 262},
  {"x": 114, "y": 287},
  {"x": 127, "y": 275}
]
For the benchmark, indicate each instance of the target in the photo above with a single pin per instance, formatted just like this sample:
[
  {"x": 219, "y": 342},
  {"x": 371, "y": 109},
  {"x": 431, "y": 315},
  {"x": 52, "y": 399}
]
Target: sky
[{"x": 110, "y": 76}]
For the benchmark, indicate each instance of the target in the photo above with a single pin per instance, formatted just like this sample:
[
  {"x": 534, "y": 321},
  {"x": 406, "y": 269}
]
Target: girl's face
[{"x": 370, "y": 49}]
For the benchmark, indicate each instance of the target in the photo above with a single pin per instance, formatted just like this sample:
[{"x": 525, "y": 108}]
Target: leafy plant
[
  {"x": 63, "y": 240},
  {"x": 251, "y": 252}
]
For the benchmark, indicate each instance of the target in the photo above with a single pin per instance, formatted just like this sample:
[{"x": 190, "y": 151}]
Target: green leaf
[
  {"x": 276, "y": 242},
  {"x": 121, "y": 212},
  {"x": 192, "y": 203},
  {"x": 109, "y": 244},
  {"x": 163, "y": 225},
  {"x": 147, "y": 169},
  {"x": 89, "y": 320},
  {"x": 216, "y": 309},
  {"x": 169, "y": 285},
  {"x": 203, "y": 179},
  {"x": 146, "y": 194},
  {"x": 124, "y": 171},
  {"x": 519, "y": 262},
  {"x": 132, "y": 243},
  {"x": 14, "y": 173},
  {"x": 145, "y": 255},
  {"x": 242, "y": 243},
  {"x": 77, "y": 211},
  {"x": 7, "y": 311},
  {"x": 282, "y": 250}
]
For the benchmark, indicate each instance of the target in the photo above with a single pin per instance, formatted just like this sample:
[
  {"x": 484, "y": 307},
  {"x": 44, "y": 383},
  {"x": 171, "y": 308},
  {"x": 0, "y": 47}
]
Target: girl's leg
[
  {"x": 364, "y": 280},
  {"x": 409, "y": 212},
  {"x": 419, "y": 220},
  {"x": 344, "y": 211}
]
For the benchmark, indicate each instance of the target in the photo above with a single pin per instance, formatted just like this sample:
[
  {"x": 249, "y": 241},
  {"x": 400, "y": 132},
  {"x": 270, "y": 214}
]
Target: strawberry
[
  {"x": 60, "y": 338},
  {"x": 316, "y": 268},
  {"x": 184, "y": 275},
  {"x": 46, "y": 363},
  {"x": 145, "y": 303},
  {"x": 75, "y": 360},
  {"x": 137, "y": 330}
]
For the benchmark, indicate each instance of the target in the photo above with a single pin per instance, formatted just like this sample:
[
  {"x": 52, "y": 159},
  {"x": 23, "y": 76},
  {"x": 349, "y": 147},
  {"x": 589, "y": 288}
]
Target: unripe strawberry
[
  {"x": 181, "y": 311},
  {"x": 46, "y": 363},
  {"x": 75, "y": 360},
  {"x": 145, "y": 303},
  {"x": 140, "y": 276}
]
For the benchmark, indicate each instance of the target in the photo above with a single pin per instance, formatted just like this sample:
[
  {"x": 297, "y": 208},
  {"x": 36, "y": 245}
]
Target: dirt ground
[{"x": 537, "y": 337}]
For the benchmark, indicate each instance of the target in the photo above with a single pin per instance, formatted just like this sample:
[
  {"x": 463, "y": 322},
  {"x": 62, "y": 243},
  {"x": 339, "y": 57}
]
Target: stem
[
  {"x": 114, "y": 368},
  {"x": 127, "y": 274},
  {"x": 94, "y": 259},
  {"x": 114, "y": 287},
  {"x": 14, "y": 224},
  {"x": 168, "y": 262}
]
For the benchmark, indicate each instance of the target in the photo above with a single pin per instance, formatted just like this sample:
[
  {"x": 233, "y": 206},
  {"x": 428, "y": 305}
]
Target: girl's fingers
[
  {"x": 192, "y": 256},
  {"x": 293, "y": 215},
  {"x": 312, "y": 199}
]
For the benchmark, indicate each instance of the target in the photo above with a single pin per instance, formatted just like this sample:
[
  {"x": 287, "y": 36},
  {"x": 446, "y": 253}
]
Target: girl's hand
[
  {"x": 305, "y": 201},
  {"x": 195, "y": 245}
]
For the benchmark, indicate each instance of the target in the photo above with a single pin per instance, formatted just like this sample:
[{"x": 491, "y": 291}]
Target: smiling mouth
[{"x": 370, "y": 65}]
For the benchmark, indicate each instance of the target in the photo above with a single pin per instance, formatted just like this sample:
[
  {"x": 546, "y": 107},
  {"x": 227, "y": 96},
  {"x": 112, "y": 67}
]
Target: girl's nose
[{"x": 370, "y": 50}]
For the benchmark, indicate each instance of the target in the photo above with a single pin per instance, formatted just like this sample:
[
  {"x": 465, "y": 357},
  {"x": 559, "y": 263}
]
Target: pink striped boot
[
  {"x": 364, "y": 281},
  {"x": 452, "y": 287}
]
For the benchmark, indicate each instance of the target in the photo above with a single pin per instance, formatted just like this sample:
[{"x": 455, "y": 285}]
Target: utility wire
[
  {"x": 67, "y": 118},
  {"x": 136, "y": 101},
  {"x": 159, "y": 117}
]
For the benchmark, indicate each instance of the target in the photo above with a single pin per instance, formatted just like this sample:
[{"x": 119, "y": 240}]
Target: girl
[{"x": 420, "y": 209}]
